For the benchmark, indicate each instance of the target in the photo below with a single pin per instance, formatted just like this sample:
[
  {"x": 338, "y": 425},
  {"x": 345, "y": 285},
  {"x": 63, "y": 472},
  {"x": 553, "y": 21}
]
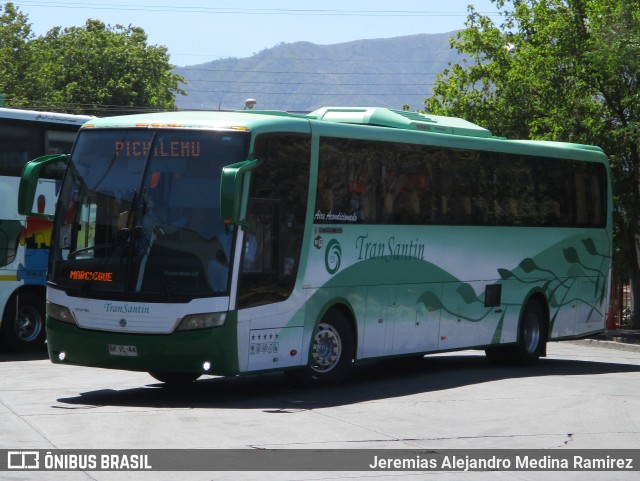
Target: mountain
[{"x": 303, "y": 76}]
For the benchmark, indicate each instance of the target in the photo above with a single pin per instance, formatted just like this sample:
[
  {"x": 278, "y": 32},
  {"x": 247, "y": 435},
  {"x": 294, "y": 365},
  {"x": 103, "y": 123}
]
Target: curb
[{"x": 620, "y": 345}]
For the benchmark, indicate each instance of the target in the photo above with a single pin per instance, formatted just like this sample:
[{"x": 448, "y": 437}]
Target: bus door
[{"x": 270, "y": 314}]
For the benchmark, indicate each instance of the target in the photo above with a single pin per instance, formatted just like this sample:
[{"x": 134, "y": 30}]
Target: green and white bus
[
  {"x": 24, "y": 242},
  {"x": 225, "y": 243}
]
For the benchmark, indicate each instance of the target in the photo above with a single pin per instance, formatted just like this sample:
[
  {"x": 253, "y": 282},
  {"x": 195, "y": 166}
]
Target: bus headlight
[
  {"x": 202, "y": 321},
  {"x": 60, "y": 313}
]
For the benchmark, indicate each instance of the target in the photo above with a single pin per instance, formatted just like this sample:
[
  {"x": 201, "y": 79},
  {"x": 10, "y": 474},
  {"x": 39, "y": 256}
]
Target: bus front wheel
[
  {"x": 23, "y": 325},
  {"x": 332, "y": 353}
]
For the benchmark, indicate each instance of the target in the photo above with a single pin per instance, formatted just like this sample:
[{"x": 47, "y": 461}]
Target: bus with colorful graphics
[
  {"x": 224, "y": 243},
  {"x": 24, "y": 242}
]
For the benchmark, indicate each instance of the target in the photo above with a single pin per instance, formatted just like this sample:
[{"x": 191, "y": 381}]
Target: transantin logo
[{"x": 332, "y": 256}]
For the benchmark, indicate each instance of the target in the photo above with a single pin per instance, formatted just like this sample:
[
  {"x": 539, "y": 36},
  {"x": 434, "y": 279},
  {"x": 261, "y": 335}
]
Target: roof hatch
[{"x": 400, "y": 119}]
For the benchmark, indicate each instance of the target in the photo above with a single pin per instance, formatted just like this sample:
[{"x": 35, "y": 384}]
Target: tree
[
  {"x": 566, "y": 70},
  {"x": 99, "y": 66},
  {"x": 94, "y": 69},
  {"x": 15, "y": 34}
]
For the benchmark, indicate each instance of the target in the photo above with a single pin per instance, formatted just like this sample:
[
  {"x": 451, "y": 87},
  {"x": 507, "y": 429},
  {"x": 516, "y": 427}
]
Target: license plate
[{"x": 120, "y": 350}]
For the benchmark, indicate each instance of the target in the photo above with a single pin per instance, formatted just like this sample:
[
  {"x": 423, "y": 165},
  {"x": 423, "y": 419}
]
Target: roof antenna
[{"x": 249, "y": 104}]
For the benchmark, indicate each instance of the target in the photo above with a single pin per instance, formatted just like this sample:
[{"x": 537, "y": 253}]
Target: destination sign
[
  {"x": 97, "y": 276},
  {"x": 161, "y": 148}
]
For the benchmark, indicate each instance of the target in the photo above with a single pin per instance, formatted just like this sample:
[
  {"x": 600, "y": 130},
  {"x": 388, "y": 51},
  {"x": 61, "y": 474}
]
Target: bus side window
[
  {"x": 9, "y": 237},
  {"x": 15, "y": 149},
  {"x": 276, "y": 213},
  {"x": 596, "y": 199}
]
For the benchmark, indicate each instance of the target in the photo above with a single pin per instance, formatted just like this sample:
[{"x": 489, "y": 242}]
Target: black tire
[
  {"x": 532, "y": 335},
  {"x": 23, "y": 323},
  {"x": 175, "y": 378},
  {"x": 531, "y": 339},
  {"x": 331, "y": 354}
]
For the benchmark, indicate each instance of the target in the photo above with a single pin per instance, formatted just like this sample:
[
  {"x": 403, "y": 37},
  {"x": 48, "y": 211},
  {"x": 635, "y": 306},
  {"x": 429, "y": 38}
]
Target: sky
[{"x": 198, "y": 31}]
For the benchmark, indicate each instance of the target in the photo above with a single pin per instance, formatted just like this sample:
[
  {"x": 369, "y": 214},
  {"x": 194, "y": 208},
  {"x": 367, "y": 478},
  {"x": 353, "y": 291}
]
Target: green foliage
[
  {"x": 15, "y": 34},
  {"x": 566, "y": 70},
  {"x": 92, "y": 69}
]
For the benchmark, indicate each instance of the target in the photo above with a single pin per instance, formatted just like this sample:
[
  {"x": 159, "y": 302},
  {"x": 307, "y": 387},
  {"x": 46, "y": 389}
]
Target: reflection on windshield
[{"x": 139, "y": 214}]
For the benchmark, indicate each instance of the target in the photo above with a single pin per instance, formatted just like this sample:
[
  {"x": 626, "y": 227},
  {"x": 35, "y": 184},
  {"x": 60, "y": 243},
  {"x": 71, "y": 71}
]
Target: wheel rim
[
  {"x": 531, "y": 334},
  {"x": 327, "y": 348},
  {"x": 28, "y": 324}
]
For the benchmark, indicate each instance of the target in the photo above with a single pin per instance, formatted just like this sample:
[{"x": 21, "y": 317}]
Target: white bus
[{"x": 24, "y": 241}]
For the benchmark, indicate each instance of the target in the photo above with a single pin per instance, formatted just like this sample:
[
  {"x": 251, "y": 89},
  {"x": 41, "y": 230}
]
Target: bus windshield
[{"x": 139, "y": 214}]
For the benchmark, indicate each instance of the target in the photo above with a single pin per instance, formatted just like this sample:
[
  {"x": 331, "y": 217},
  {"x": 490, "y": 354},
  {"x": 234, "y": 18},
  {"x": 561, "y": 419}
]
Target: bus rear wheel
[
  {"x": 531, "y": 339},
  {"x": 23, "y": 323},
  {"x": 332, "y": 353},
  {"x": 531, "y": 335},
  {"x": 175, "y": 378}
]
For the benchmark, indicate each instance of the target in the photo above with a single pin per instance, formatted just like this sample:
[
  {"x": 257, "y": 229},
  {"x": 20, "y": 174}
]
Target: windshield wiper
[{"x": 75, "y": 253}]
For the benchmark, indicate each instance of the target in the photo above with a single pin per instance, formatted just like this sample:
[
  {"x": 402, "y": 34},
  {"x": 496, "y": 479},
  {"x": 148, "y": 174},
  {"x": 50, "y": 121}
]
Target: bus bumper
[{"x": 183, "y": 351}]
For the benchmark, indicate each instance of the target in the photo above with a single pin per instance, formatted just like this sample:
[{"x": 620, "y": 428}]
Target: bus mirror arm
[
  {"x": 29, "y": 182},
  {"x": 231, "y": 184}
]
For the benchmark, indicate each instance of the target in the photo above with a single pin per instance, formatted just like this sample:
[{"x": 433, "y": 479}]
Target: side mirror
[
  {"x": 29, "y": 183},
  {"x": 231, "y": 191}
]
